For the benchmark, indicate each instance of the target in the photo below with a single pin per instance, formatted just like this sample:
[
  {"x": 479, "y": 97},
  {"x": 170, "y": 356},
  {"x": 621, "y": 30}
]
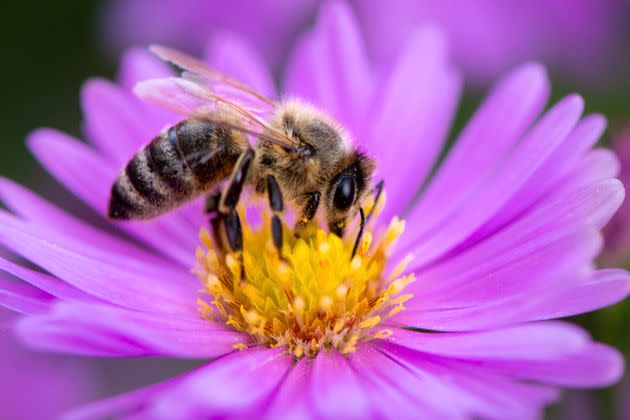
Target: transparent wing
[
  {"x": 205, "y": 92},
  {"x": 220, "y": 83},
  {"x": 194, "y": 100}
]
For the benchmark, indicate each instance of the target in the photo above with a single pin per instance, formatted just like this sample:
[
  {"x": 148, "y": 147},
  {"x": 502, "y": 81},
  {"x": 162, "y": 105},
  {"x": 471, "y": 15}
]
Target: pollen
[{"x": 312, "y": 297}]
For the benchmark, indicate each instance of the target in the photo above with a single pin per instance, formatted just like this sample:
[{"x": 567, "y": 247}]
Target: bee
[{"x": 233, "y": 135}]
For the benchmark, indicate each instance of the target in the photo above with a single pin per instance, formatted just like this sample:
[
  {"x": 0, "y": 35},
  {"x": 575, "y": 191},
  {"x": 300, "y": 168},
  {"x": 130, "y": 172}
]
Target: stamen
[{"x": 313, "y": 297}]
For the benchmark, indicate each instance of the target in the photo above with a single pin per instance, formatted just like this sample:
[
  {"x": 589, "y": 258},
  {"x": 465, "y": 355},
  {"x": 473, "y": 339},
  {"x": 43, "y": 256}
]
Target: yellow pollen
[{"x": 312, "y": 297}]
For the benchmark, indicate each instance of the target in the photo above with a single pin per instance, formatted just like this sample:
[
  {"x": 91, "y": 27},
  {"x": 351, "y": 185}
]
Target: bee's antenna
[
  {"x": 379, "y": 191},
  {"x": 360, "y": 234}
]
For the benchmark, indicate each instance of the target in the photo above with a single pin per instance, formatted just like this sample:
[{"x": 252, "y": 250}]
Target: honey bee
[{"x": 298, "y": 154}]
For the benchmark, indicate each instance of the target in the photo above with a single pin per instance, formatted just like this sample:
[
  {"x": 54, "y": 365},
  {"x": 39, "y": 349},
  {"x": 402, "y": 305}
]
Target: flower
[
  {"x": 582, "y": 39},
  {"x": 270, "y": 25},
  {"x": 39, "y": 386},
  {"x": 503, "y": 237},
  {"x": 617, "y": 232}
]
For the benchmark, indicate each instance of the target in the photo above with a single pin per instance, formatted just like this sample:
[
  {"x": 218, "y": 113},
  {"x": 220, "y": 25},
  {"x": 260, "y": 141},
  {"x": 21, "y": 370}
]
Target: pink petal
[
  {"x": 396, "y": 391},
  {"x": 235, "y": 56},
  {"x": 601, "y": 289},
  {"x": 116, "y": 122},
  {"x": 335, "y": 389},
  {"x": 70, "y": 231},
  {"x": 499, "y": 122},
  {"x": 138, "y": 64},
  {"x": 590, "y": 204},
  {"x": 66, "y": 158},
  {"x": 171, "y": 292},
  {"x": 23, "y": 298},
  {"x": 44, "y": 282},
  {"x": 471, "y": 390},
  {"x": 510, "y": 175},
  {"x": 329, "y": 67},
  {"x": 597, "y": 365},
  {"x": 543, "y": 262},
  {"x": 108, "y": 326},
  {"x": 420, "y": 94},
  {"x": 240, "y": 382},
  {"x": 291, "y": 400},
  {"x": 533, "y": 341},
  {"x": 558, "y": 165}
]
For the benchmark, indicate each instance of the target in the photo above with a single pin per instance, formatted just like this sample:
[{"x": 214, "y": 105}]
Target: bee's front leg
[
  {"x": 308, "y": 212},
  {"x": 357, "y": 241}
]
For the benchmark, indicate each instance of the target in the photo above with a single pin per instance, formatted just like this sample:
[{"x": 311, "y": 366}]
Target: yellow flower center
[{"x": 313, "y": 297}]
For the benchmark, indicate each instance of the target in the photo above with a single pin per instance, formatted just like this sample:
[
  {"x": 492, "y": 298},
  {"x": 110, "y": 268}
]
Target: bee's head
[{"x": 347, "y": 190}]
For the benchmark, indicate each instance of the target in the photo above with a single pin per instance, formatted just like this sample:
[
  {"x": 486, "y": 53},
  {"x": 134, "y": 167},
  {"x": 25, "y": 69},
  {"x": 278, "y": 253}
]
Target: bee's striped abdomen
[{"x": 176, "y": 166}]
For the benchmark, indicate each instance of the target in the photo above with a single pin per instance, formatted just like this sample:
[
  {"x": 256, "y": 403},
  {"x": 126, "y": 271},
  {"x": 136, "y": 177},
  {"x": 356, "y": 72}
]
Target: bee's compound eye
[{"x": 344, "y": 193}]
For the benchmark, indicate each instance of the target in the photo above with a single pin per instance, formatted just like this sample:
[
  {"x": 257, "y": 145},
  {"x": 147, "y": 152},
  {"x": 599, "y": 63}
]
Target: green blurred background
[{"x": 49, "y": 49}]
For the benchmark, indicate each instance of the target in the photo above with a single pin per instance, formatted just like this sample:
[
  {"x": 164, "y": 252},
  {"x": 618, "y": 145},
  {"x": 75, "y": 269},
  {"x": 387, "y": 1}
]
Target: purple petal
[
  {"x": 597, "y": 365},
  {"x": 23, "y": 298},
  {"x": 41, "y": 386},
  {"x": 171, "y": 292},
  {"x": 240, "y": 382},
  {"x": 335, "y": 389},
  {"x": 396, "y": 391},
  {"x": 590, "y": 204},
  {"x": 66, "y": 158},
  {"x": 477, "y": 391},
  {"x": 534, "y": 341},
  {"x": 138, "y": 64},
  {"x": 510, "y": 175},
  {"x": 109, "y": 326},
  {"x": 235, "y": 56},
  {"x": 490, "y": 134},
  {"x": 601, "y": 289},
  {"x": 115, "y": 121},
  {"x": 544, "y": 262},
  {"x": 558, "y": 165},
  {"x": 44, "y": 282},
  {"x": 420, "y": 94},
  {"x": 119, "y": 405},
  {"x": 236, "y": 384},
  {"x": 70, "y": 231},
  {"x": 329, "y": 67},
  {"x": 291, "y": 401}
]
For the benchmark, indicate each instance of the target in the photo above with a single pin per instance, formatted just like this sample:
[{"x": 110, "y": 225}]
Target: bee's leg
[
  {"x": 275, "y": 202},
  {"x": 378, "y": 189},
  {"x": 310, "y": 208},
  {"x": 211, "y": 204},
  {"x": 229, "y": 200},
  {"x": 357, "y": 241}
]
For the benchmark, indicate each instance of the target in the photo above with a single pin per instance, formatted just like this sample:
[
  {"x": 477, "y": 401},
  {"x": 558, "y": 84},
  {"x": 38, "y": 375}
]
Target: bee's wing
[
  {"x": 220, "y": 83},
  {"x": 196, "y": 100}
]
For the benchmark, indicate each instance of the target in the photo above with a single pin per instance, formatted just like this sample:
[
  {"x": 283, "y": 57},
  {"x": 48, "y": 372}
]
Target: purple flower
[
  {"x": 189, "y": 24},
  {"x": 582, "y": 38},
  {"x": 617, "y": 232},
  {"x": 35, "y": 385},
  {"x": 503, "y": 238}
]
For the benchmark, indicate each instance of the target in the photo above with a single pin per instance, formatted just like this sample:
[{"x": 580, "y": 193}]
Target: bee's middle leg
[
  {"x": 275, "y": 202},
  {"x": 229, "y": 199}
]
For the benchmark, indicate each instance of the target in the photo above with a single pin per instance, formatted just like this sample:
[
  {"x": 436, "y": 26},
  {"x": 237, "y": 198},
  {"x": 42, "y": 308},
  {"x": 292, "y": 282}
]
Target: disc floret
[{"x": 314, "y": 297}]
